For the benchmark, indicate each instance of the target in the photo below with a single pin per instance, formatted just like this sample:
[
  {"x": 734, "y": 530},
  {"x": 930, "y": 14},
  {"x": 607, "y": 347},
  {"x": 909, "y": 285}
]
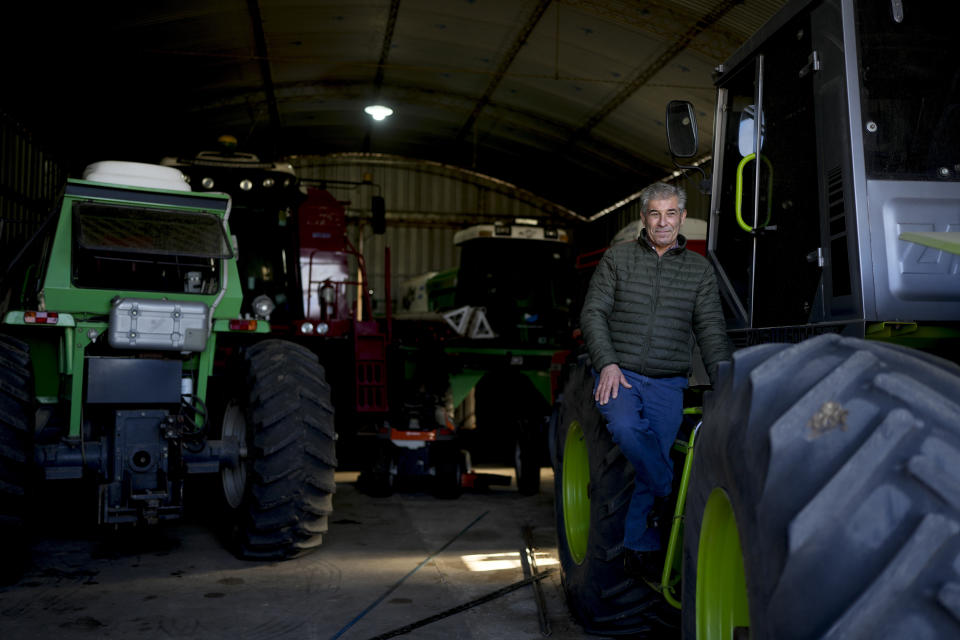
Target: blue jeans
[{"x": 644, "y": 421}]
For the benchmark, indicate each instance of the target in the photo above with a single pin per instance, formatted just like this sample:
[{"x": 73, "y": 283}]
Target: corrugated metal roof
[{"x": 562, "y": 98}]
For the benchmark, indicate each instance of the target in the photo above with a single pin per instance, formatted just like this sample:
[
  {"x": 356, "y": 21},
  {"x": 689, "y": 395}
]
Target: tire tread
[
  {"x": 603, "y": 599},
  {"x": 849, "y": 527},
  {"x": 291, "y": 484}
]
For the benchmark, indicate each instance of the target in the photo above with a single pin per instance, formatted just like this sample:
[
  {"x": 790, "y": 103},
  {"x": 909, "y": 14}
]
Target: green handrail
[
  {"x": 739, "y": 201},
  {"x": 676, "y": 529}
]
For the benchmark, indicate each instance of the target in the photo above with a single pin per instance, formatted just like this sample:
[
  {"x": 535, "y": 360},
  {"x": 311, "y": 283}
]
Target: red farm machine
[
  {"x": 302, "y": 277},
  {"x": 403, "y": 395},
  {"x": 305, "y": 279}
]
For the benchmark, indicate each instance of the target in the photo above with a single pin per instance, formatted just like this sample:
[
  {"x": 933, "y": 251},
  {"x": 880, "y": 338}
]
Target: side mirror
[
  {"x": 681, "y": 129},
  {"x": 379, "y": 210},
  {"x": 745, "y": 134}
]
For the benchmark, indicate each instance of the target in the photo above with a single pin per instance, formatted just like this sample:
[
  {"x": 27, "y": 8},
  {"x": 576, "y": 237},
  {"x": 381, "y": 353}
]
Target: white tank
[{"x": 136, "y": 174}]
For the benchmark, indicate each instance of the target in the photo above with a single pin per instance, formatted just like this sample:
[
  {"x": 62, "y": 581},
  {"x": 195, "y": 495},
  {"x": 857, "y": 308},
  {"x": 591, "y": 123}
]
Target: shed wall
[
  {"x": 31, "y": 178},
  {"x": 426, "y": 204}
]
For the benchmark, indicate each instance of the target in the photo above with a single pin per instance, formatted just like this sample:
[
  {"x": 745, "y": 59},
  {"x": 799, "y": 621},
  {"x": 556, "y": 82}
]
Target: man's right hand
[{"x": 609, "y": 386}]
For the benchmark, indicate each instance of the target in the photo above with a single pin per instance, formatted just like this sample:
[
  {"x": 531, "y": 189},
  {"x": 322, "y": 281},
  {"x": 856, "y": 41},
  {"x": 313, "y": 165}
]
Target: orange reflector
[
  {"x": 243, "y": 325},
  {"x": 41, "y": 317},
  {"x": 400, "y": 434}
]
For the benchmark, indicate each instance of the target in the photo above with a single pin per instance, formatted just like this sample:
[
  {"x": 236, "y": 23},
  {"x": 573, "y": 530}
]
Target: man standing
[{"x": 647, "y": 302}]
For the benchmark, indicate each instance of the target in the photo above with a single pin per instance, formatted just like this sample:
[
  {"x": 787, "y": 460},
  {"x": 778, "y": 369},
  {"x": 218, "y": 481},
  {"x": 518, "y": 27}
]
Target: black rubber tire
[
  {"x": 16, "y": 455},
  {"x": 602, "y": 598},
  {"x": 552, "y": 426},
  {"x": 847, "y": 512},
  {"x": 291, "y": 453},
  {"x": 448, "y": 465},
  {"x": 526, "y": 459},
  {"x": 379, "y": 481}
]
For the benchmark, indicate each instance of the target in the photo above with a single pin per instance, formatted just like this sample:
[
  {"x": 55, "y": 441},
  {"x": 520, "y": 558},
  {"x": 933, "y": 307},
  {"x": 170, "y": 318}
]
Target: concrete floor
[{"x": 179, "y": 582}]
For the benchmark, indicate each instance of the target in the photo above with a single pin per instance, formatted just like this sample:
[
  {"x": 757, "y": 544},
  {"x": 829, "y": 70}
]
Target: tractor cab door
[{"x": 769, "y": 221}]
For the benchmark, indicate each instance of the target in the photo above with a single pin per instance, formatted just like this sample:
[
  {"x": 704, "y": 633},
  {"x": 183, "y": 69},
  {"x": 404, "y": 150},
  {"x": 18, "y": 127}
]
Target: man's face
[{"x": 662, "y": 220}]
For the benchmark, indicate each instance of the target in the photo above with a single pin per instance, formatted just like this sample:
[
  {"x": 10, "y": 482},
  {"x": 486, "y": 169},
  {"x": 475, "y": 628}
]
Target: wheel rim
[
  {"x": 517, "y": 461},
  {"x": 722, "y": 603},
  {"x": 234, "y": 477},
  {"x": 576, "y": 500}
]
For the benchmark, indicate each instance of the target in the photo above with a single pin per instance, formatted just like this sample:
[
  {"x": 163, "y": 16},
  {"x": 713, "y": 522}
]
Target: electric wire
[
  {"x": 493, "y": 595},
  {"x": 399, "y": 582}
]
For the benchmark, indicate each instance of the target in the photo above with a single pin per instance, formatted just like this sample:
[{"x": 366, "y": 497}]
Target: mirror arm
[{"x": 704, "y": 184}]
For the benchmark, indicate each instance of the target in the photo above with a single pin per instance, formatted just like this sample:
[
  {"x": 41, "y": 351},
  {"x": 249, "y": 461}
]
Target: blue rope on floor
[{"x": 401, "y": 580}]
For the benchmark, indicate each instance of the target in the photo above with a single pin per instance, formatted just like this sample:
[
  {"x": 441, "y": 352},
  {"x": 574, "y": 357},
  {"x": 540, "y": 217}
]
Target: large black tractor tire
[
  {"x": 526, "y": 457},
  {"x": 593, "y": 486},
  {"x": 16, "y": 455},
  {"x": 291, "y": 458},
  {"x": 834, "y": 465}
]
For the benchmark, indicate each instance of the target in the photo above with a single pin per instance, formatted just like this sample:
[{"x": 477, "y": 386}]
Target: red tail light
[
  {"x": 41, "y": 317},
  {"x": 243, "y": 325}
]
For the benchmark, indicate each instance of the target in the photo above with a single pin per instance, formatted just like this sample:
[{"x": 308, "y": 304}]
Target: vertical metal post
[
  {"x": 388, "y": 291},
  {"x": 757, "y": 132},
  {"x": 528, "y": 561},
  {"x": 360, "y": 280}
]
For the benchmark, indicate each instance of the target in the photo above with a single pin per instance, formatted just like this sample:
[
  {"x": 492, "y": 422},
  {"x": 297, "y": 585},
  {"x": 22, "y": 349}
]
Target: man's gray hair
[{"x": 662, "y": 191}]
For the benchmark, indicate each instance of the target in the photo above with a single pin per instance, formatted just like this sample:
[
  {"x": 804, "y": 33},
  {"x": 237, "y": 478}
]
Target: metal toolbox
[{"x": 167, "y": 325}]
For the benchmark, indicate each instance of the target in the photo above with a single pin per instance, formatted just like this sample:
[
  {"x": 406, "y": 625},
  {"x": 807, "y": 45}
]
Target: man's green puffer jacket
[{"x": 643, "y": 311}]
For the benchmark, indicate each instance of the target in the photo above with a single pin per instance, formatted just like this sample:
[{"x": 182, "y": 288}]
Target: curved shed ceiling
[{"x": 564, "y": 98}]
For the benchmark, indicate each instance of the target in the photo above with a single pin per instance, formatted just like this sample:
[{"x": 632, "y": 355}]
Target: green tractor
[
  {"x": 820, "y": 495},
  {"x": 488, "y": 345},
  {"x": 125, "y": 367}
]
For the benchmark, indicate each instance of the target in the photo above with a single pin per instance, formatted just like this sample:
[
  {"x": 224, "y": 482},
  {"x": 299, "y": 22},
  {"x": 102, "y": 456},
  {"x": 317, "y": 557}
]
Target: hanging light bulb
[{"x": 378, "y": 111}]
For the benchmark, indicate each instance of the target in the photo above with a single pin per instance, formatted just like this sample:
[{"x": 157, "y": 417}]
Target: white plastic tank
[{"x": 136, "y": 174}]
